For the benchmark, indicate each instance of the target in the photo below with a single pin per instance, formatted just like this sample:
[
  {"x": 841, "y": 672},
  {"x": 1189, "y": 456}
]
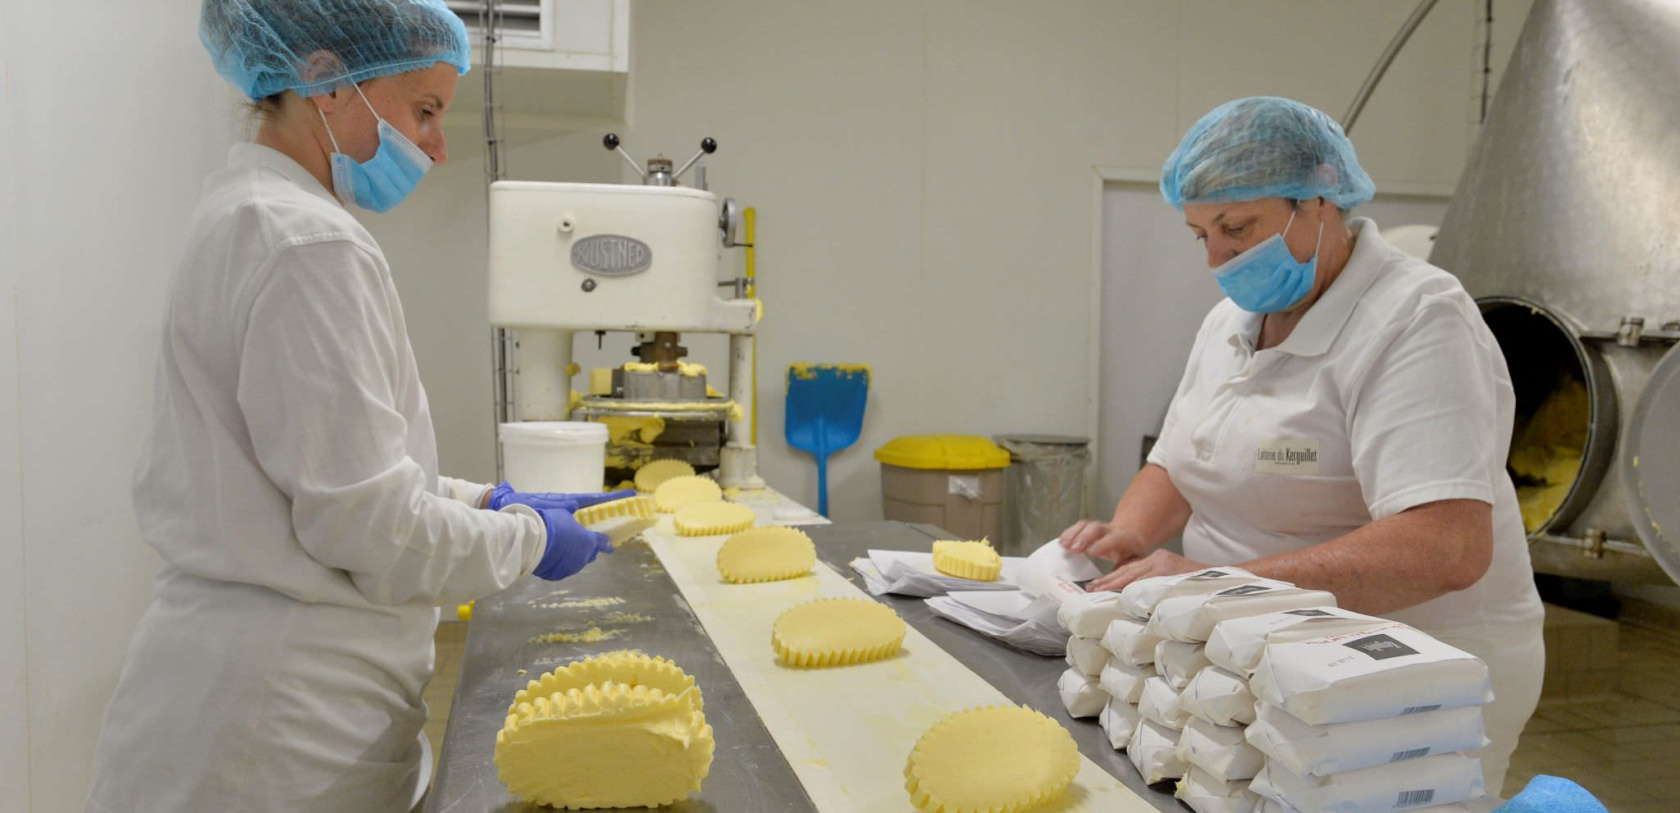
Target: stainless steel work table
[{"x": 628, "y": 596}]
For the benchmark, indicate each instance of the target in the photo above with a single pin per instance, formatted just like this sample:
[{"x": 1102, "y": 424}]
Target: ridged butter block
[
  {"x": 654, "y": 473},
  {"x": 994, "y": 759},
  {"x": 967, "y": 560},
  {"x": 713, "y": 519},
  {"x": 766, "y": 555},
  {"x": 680, "y": 491},
  {"x": 837, "y": 632}
]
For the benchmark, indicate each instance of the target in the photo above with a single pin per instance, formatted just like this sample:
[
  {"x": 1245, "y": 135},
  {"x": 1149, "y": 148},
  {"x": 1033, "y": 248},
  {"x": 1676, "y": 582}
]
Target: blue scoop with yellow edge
[{"x": 825, "y": 404}]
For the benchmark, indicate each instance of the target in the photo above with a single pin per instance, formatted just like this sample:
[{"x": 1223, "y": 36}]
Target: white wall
[
  {"x": 14, "y": 674},
  {"x": 110, "y": 132},
  {"x": 924, "y": 178}
]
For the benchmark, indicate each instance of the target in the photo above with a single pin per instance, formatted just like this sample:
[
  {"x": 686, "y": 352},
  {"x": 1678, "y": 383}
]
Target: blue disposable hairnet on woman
[
  {"x": 1265, "y": 147},
  {"x": 313, "y": 46}
]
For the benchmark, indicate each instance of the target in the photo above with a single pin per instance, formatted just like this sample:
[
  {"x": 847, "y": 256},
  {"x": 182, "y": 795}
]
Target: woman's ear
[{"x": 319, "y": 67}]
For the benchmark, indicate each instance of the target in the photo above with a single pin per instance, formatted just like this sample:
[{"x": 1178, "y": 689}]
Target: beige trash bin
[{"x": 952, "y": 481}]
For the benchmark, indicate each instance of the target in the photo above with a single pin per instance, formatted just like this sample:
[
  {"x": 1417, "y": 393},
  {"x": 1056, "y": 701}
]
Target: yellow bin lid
[{"x": 957, "y": 452}]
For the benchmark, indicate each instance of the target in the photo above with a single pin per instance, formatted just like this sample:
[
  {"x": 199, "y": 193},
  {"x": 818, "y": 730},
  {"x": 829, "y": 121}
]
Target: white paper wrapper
[
  {"x": 1415, "y": 783},
  {"x": 1080, "y": 694},
  {"x": 1236, "y": 644},
  {"x": 1220, "y": 751},
  {"x": 1178, "y": 661},
  {"x": 1124, "y": 681},
  {"x": 1088, "y": 615},
  {"x": 1320, "y": 750},
  {"x": 1218, "y": 697},
  {"x": 1159, "y": 703},
  {"x": 1086, "y": 655},
  {"x": 1139, "y": 598},
  {"x": 1119, "y": 719},
  {"x": 1154, "y": 752},
  {"x": 1369, "y": 675},
  {"x": 1208, "y": 794},
  {"x": 1127, "y": 641},
  {"x": 1192, "y": 618}
]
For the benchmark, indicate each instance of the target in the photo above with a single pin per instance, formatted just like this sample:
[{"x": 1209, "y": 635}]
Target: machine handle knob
[
  {"x": 610, "y": 141},
  {"x": 708, "y": 144}
]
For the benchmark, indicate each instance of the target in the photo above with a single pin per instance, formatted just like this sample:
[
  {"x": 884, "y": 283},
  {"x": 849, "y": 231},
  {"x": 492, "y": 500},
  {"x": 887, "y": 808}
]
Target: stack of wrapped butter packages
[{"x": 1170, "y": 667}]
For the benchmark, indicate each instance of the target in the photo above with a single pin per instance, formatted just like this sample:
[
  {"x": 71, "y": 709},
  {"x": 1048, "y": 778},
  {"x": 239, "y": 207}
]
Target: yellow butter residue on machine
[
  {"x": 617, "y": 730},
  {"x": 684, "y": 367},
  {"x": 1546, "y": 456}
]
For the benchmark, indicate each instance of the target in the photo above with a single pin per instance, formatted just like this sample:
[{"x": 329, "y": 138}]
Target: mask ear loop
[{"x": 330, "y": 136}]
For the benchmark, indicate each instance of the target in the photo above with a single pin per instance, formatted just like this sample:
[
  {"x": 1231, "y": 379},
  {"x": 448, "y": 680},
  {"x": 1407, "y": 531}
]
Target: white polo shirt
[{"x": 1390, "y": 393}]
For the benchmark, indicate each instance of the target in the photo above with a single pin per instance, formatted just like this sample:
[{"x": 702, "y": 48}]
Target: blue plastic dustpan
[{"x": 825, "y": 404}]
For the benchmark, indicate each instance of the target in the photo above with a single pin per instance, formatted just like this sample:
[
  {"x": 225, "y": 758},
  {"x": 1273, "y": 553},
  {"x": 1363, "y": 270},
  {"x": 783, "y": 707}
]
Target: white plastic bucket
[{"x": 567, "y": 456}]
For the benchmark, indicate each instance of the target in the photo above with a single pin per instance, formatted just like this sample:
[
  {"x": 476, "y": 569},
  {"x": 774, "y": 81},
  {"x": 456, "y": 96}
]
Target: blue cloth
[
  {"x": 1265, "y": 147},
  {"x": 265, "y": 47},
  {"x": 503, "y": 496},
  {"x": 570, "y": 545},
  {"x": 1552, "y": 794}
]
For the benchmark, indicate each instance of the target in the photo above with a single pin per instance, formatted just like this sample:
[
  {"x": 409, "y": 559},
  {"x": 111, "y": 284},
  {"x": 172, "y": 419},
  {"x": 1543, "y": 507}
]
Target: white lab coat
[
  {"x": 290, "y": 482},
  {"x": 1390, "y": 393}
]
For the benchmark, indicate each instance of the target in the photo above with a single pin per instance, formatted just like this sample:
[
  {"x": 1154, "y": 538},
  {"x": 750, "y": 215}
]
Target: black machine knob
[
  {"x": 610, "y": 141},
  {"x": 708, "y": 145}
]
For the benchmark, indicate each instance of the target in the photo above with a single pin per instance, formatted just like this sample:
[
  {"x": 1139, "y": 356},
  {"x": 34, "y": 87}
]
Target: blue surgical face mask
[
  {"x": 383, "y": 181},
  {"x": 1267, "y": 278}
]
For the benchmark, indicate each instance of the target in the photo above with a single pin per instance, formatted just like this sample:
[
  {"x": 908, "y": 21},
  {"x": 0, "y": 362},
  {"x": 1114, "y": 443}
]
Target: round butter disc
[
  {"x": 713, "y": 519},
  {"x": 967, "y": 560},
  {"x": 680, "y": 491},
  {"x": 994, "y": 758},
  {"x": 654, "y": 473},
  {"x": 766, "y": 555},
  {"x": 837, "y": 632}
]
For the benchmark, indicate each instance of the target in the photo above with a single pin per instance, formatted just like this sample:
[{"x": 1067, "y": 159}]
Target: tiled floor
[{"x": 1624, "y": 747}]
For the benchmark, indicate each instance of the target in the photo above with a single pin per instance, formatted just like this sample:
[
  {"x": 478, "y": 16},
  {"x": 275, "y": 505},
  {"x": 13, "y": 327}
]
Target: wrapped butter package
[
  {"x": 1192, "y": 618},
  {"x": 1139, "y": 598},
  {"x": 1154, "y": 752},
  {"x": 1080, "y": 694},
  {"x": 1219, "y": 697},
  {"x": 1124, "y": 681},
  {"x": 1220, "y": 751},
  {"x": 1126, "y": 640},
  {"x": 1088, "y": 615},
  {"x": 1086, "y": 655},
  {"x": 1320, "y": 750},
  {"x": 1209, "y": 794},
  {"x": 1236, "y": 644},
  {"x": 1369, "y": 675},
  {"x": 1415, "y": 783},
  {"x": 1178, "y": 661},
  {"x": 1118, "y": 720},
  {"x": 1159, "y": 703}
]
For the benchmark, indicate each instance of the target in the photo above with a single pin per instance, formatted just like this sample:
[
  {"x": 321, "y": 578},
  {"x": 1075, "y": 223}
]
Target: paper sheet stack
[{"x": 1023, "y": 614}]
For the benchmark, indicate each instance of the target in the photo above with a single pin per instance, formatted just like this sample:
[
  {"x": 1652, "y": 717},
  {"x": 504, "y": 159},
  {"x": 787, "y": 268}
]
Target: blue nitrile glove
[
  {"x": 503, "y": 496},
  {"x": 1552, "y": 794},
  {"x": 570, "y": 545}
]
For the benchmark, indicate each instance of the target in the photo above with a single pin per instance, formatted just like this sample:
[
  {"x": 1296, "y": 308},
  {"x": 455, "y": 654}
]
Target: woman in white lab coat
[
  {"x": 1344, "y": 418},
  {"x": 289, "y": 479}
]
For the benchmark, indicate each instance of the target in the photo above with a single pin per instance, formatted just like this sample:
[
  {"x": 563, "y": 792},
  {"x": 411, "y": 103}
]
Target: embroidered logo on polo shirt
[{"x": 1287, "y": 456}]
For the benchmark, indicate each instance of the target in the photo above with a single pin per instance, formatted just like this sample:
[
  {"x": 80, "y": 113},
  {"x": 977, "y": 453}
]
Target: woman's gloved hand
[
  {"x": 503, "y": 496},
  {"x": 570, "y": 545}
]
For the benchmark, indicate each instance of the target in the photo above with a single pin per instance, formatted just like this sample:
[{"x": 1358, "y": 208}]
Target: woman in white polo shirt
[{"x": 1344, "y": 418}]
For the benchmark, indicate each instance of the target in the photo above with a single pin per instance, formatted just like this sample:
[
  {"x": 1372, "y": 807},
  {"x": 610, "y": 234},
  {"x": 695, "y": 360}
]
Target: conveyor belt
[{"x": 750, "y": 773}]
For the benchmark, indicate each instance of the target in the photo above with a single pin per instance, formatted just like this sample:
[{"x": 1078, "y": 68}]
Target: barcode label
[
  {"x": 1413, "y": 798},
  {"x": 1420, "y": 709},
  {"x": 1412, "y": 754}
]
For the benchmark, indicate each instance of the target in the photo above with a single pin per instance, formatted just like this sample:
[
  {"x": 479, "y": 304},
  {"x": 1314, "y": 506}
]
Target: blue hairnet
[
  {"x": 1265, "y": 147},
  {"x": 265, "y": 46}
]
